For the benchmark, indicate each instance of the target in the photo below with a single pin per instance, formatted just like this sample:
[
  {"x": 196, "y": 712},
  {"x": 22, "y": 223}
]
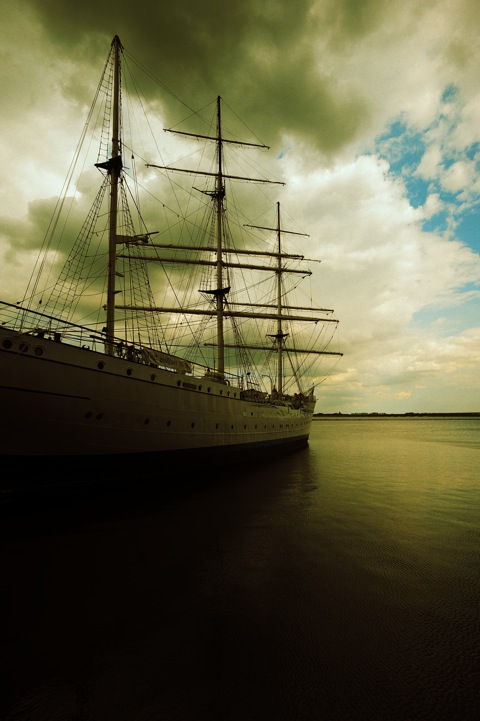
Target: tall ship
[{"x": 160, "y": 332}]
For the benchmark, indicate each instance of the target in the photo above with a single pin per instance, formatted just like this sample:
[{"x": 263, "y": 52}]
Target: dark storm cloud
[
  {"x": 27, "y": 234},
  {"x": 264, "y": 58}
]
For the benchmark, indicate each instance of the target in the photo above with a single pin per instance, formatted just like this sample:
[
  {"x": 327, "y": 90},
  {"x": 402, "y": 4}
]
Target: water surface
[{"x": 340, "y": 582}]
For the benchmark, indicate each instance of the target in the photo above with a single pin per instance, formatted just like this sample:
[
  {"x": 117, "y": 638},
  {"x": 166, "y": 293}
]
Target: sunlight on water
[{"x": 412, "y": 494}]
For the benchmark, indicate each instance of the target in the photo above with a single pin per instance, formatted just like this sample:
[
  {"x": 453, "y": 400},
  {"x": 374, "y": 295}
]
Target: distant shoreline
[{"x": 396, "y": 415}]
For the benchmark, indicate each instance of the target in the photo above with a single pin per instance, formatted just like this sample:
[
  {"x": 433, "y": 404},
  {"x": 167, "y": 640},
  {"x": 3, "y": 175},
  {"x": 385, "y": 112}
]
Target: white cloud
[
  {"x": 431, "y": 163},
  {"x": 432, "y": 206},
  {"x": 379, "y": 271},
  {"x": 40, "y": 124},
  {"x": 458, "y": 176}
]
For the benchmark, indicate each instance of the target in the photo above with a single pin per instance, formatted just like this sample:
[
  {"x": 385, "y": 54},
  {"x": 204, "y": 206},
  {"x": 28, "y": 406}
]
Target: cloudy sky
[{"x": 372, "y": 109}]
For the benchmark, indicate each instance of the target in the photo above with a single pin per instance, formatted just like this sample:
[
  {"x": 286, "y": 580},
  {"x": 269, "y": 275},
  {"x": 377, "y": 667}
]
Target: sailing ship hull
[
  {"x": 88, "y": 375},
  {"x": 64, "y": 400}
]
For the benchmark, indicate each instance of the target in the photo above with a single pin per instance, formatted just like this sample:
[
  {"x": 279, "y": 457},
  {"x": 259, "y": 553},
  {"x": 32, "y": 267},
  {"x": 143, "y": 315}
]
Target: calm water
[{"x": 338, "y": 583}]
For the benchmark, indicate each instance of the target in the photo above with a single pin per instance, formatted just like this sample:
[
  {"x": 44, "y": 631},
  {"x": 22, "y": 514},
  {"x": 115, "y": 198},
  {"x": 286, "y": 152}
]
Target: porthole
[
  {"x": 169, "y": 423},
  {"x": 38, "y": 350},
  {"x": 152, "y": 377},
  {"x": 146, "y": 421},
  {"x": 221, "y": 393},
  {"x": 99, "y": 416},
  {"x": 23, "y": 347},
  {"x": 88, "y": 414},
  {"x": 192, "y": 425},
  {"x": 100, "y": 365},
  {"x": 208, "y": 389},
  {"x": 129, "y": 371},
  {"x": 7, "y": 344},
  {"x": 179, "y": 383}
]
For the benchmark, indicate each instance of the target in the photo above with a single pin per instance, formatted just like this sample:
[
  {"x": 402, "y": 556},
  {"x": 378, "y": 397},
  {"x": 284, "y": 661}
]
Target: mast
[
  {"x": 220, "y": 290},
  {"x": 217, "y": 195},
  {"x": 280, "y": 335},
  {"x": 114, "y": 166}
]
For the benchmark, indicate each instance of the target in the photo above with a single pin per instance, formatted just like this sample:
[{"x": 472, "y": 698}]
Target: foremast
[{"x": 114, "y": 168}]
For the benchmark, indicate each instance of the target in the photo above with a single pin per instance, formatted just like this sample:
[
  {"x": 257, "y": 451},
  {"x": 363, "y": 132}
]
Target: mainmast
[
  {"x": 114, "y": 167},
  {"x": 220, "y": 291},
  {"x": 218, "y": 196}
]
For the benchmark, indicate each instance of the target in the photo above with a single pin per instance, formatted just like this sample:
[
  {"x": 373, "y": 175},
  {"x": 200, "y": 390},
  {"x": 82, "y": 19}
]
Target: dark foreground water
[{"x": 341, "y": 582}]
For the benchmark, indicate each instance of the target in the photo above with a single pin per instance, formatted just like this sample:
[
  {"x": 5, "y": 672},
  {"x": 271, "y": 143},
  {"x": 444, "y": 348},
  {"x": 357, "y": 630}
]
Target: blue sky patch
[
  {"x": 403, "y": 148},
  {"x": 448, "y": 321},
  {"x": 468, "y": 229}
]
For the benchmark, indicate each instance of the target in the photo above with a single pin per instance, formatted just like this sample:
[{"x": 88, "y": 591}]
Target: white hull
[
  {"x": 117, "y": 389},
  {"x": 63, "y": 400}
]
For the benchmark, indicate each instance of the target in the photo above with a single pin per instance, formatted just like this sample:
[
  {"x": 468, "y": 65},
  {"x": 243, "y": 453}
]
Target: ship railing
[
  {"x": 251, "y": 394},
  {"x": 298, "y": 401},
  {"x": 41, "y": 325}
]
